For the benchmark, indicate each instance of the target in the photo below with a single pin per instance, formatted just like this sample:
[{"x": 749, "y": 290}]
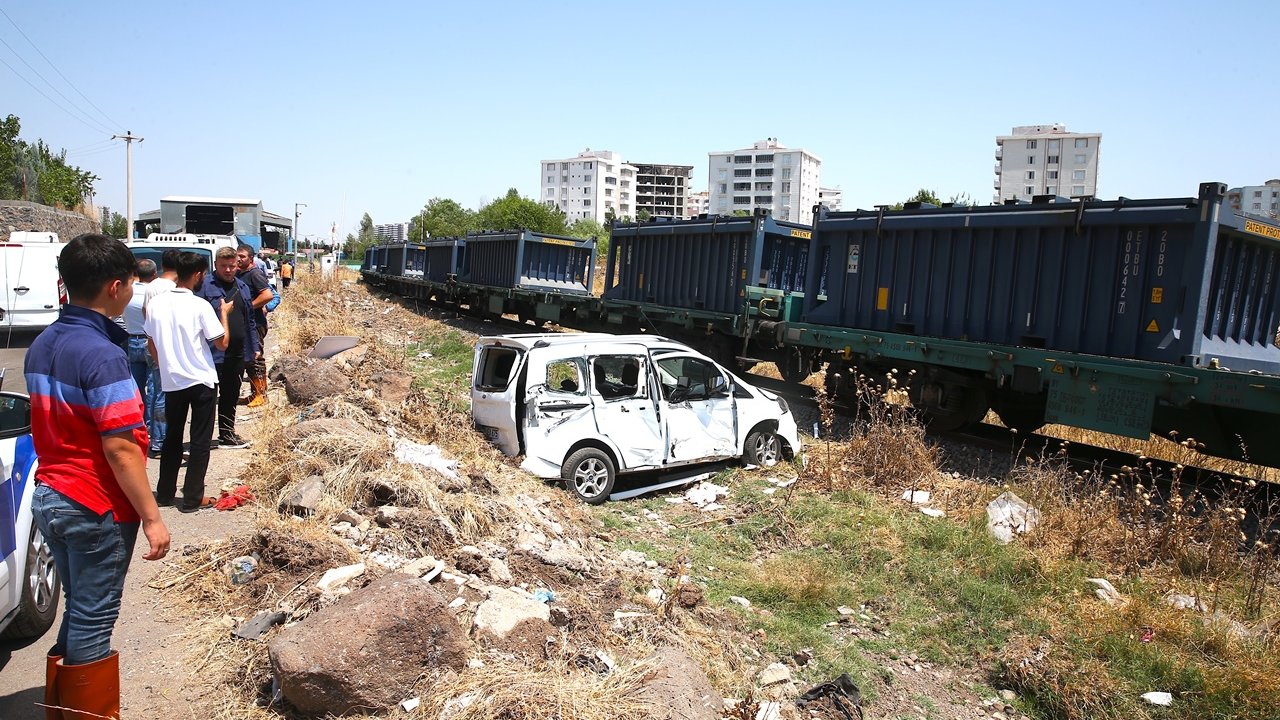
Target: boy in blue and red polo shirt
[{"x": 93, "y": 493}]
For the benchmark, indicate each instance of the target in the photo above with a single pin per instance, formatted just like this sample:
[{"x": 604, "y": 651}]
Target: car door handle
[
  {"x": 21, "y": 289},
  {"x": 563, "y": 406},
  {"x": 626, "y": 409}
]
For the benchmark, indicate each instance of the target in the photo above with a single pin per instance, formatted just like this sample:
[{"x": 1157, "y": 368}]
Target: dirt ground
[{"x": 158, "y": 679}]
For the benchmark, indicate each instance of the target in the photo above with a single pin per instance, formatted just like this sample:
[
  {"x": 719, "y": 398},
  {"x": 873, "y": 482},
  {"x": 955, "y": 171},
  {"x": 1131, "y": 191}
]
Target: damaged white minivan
[{"x": 586, "y": 407}]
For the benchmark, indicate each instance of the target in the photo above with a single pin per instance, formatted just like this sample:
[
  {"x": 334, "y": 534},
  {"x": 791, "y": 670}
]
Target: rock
[
  {"x": 1107, "y": 592},
  {"x": 774, "y": 674},
  {"x": 678, "y": 689},
  {"x": 335, "y": 578},
  {"x": 1179, "y": 601},
  {"x": 562, "y": 554},
  {"x": 688, "y": 595},
  {"x": 410, "y": 704},
  {"x": 305, "y": 498},
  {"x": 499, "y": 571},
  {"x": 328, "y": 664},
  {"x": 505, "y": 609},
  {"x": 392, "y": 386},
  {"x": 351, "y": 517},
  {"x": 916, "y": 497},
  {"x": 284, "y": 366},
  {"x": 313, "y": 381},
  {"x": 802, "y": 657},
  {"x": 560, "y": 617},
  {"x": 845, "y": 610},
  {"x": 323, "y": 427},
  {"x": 740, "y": 601},
  {"x": 1008, "y": 695},
  {"x": 421, "y": 566},
  {"x": 388, "y": 516},
  {"x": 631, "y": 557},
  {"x": 933, "y": 512},
  {"x": 1009, "y": 515},
  {"x": 656, "y": 596},
  {"x": 1158, "y": 698}
]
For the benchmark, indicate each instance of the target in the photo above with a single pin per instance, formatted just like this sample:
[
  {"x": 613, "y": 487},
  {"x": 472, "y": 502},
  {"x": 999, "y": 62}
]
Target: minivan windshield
[{"x": 154, "y": 253}]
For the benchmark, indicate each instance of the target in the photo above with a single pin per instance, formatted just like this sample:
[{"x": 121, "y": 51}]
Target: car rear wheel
[
  {"x": 764, "y": 448},
  {"x": 589, "y": 474},
  {"x": 40, "y": 592}
]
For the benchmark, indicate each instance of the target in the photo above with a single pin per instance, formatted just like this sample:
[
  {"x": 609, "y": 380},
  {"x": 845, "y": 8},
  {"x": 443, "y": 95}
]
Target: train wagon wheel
[
  {"x": 963, "y": 406},
  {"x": 1025, "y": 417},
  {"x": 795, "y": 366}
]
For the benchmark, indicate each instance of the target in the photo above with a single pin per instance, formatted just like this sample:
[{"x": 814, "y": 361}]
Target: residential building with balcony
[
  {"x": 1260, "y": 200},
  {"x": 1046, "y": 160},
  {"x": 833, "y": 198},
  {"x": 767, "y": 175},
  {"x": 698, "y": 203},
  {"x": 392, "y": 232},
  {"x": 589, "y": 185}
]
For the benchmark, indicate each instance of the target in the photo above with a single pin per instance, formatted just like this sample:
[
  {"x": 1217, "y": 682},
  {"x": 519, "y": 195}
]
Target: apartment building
[
  {"x": 833, "y": 198},
  {"x": 767, "y": 175},
  {"x": 1046, "y": 160},
  {"x": 698, "y": 203},
  {"x": 1261, "y": 200},
  {"x": 662, "y": 190},
  {"x": 392, "y": 232},
  {"x": 589, "y": 185}
]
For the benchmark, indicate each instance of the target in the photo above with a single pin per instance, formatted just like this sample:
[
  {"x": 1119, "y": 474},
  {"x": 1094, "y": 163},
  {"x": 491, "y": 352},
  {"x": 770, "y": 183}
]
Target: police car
[{"x": 29, "y": 586}]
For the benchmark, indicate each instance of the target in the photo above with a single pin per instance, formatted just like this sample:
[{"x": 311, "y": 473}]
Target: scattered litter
[
  {"x": 846, "y": 610},
  {"x": 750, "y": 467},
  {"x": 771, "y": 710},
  {"x": 335, "y": 578},
  {"x": 428, "y": 456},
  {"x": 544, "y": 595},
  {"x": 916, "y": 497},
  {"x": 259, "y": 624},
  {"x": 933, "y": 512},
  {"x": 655, "y": 595},
  {"x": 1158, "y": 698},
  {"x": 674, "y": 500},
  {"x": 330, "y": 345},
  {"x": 1008, "y": 515},
  {"x": 604, "y": 658},
  {"x": 844, "y": 696},
  {"x": 457, "y": 603},
  {"x": 475, "y": 663},
  {"x": 632, "y": 557},
  {"x": 242, "y": 569},
  {"x": 712, "y": 507},
  {"x": 411, "y": 704},
  {"x": 425, "y": 355},
  {"x": 802, "y": 656},
  {"x": 705, "y": 493},
  {"x": 1148, "y": 634},
  {"x": 1179, "y": 601},
  {"x": 457, "y": 705},
  {"x": 740, "y": 600},
  {"x": 1107, "y": 592},
  {"x": 234, "y": 498},
  {"x": 769, "y": 491},
  {"x": 783, "y": 483}
]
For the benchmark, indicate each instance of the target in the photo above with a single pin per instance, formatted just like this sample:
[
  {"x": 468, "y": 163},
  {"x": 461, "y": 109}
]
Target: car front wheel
[
  {"x": 40, "y": 591},
  {"x": 764, "y": 448},
  {"x": 589, "y": 474}
]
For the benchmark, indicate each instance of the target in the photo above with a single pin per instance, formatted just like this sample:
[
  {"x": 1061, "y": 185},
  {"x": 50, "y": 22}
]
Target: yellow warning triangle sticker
[{"x": 1152, "y": 326}]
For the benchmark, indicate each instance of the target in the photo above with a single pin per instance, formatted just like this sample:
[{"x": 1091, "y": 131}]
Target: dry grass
[{"x": 559, "y": 691}]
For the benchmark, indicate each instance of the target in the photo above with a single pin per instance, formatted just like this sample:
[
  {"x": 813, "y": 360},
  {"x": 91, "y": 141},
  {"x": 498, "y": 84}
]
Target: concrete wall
[{"x": 22, "y": 215}]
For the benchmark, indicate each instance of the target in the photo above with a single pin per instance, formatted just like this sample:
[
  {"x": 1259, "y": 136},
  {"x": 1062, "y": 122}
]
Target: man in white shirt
[
  {"x": 167, "y": 280},
  {"x": 180, "y": 327},
  {"x": 140, "y": 364}
]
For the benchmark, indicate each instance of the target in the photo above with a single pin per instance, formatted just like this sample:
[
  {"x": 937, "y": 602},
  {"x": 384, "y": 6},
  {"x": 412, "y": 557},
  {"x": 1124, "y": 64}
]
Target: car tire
[
  {"x": 764, "y": 448},
  {"x": 41, "y": 590},
  {"x": 589, "y": 474}
]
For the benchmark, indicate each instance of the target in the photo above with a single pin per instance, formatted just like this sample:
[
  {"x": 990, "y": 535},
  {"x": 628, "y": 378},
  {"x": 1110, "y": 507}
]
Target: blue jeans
[
  {"x": 146, "y": 373},
  {"x": 92, "y": 554}
]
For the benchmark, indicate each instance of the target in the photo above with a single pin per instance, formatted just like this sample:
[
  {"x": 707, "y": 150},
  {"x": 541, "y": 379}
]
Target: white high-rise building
[
  {"x": 1046, "y": 160},
  {"x": 392, "y": 232},
  {"x": 833, "y": 198},
  {"x": 766, "y": 175},
  {"x": 1261, "y": 200},
  {"x": 590, "y": 185},
  {"x": 697, "y": 204}
]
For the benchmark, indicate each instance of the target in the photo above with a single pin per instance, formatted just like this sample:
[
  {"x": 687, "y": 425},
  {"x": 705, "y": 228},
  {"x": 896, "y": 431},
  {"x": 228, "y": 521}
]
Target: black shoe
[
  {"x": 232, "y": 441},
  {"x": 153, "y": 454}
]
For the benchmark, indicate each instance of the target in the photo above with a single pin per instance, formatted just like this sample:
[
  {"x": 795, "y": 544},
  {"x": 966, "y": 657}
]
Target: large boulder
[
  {"x": 678, "y": 689},
  {"x": 366, "y": 651},
  {"x": 309, "y": 381},
  {"x": 392, "y": 386}
]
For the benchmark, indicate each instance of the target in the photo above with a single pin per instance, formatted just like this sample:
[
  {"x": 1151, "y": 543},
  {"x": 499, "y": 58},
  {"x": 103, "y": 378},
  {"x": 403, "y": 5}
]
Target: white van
[
  {"x": 156, "y": 243},
  {"x": 586, "y": 407},
  {"x": 33, "y": 290}
]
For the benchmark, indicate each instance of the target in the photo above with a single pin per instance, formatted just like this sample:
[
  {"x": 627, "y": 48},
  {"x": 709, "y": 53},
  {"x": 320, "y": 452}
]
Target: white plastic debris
[
  {"x": 411, "y": 704},
  {"x": 456, "y": 705},
  {"x": 771, "y": 710},
  {"x": 655, "y": 595},
  {"x": 427, "y": 456},
  {"x": 457, "y": 603},
  {"x": 846, "y": 610},
  {"x": 769, "y": 491},
  {"x": 1158, "y": 698},
  {"x": 933, "y": 512},
  {"x": 1179, "y": 601},
  {"x": 337, "y": 577},
  {"x": 705, "y": 493},
  {"x": 1010, "y": 515},
  {"x": 1107, "y": 592},
  {"x": 740, "y": 600},
  {"x": 916, "y": 497},
  {"x": 425, "y": 355}
]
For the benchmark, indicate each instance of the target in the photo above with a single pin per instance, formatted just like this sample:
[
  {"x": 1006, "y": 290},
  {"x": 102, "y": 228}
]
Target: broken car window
[
  {"x": 699, "y": 372},
  {"x": 496, "y": 365},
  {"x": 617, "y": 376},
  {"x": 566, "y": 376}
]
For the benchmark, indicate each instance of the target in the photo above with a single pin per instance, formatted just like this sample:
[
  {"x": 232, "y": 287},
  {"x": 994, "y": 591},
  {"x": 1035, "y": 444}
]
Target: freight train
[{"x": 1127, "y": 316}]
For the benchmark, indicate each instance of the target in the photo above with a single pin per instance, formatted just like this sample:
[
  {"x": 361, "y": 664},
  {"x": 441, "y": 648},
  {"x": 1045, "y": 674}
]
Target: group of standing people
[{"x": 103, "y": 397}]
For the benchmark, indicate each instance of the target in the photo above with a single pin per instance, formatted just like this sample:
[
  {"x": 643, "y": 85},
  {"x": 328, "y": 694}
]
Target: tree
[
  {"x": 35, "y": 172},
  {"x": 740, "y": 213},
  {"x": 512, "y": 212},
  {"x": 114, "y": 225},
  {"x": 357, "y": 244},
  {"x": 442, "y": 217},
  {"x": 922, "y": 195},
  {"x": 643, "y": 216},
  {"x": 588, "y": 228}
]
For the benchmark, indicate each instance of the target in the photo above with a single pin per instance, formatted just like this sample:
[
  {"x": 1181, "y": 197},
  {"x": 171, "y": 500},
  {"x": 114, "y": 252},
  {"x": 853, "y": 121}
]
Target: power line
[
  {"x": 55, "y": 68},
  {"x": 89, "y": 117},
  {"x": 46, "y": 97}
]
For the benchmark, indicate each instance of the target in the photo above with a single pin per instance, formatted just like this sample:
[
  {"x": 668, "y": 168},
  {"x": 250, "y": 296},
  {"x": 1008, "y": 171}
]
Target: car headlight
[{"x": 782, "y": 404}]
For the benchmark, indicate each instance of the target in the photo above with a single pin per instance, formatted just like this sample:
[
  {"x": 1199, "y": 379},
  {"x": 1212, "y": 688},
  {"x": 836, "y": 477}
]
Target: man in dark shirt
[
  {"x": 242, "y": 344},
  {"x": 260, "y": 291}
]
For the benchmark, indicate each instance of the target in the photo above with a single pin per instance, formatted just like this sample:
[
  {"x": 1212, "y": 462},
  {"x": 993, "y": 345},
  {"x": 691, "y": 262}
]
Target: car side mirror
[
  {"x": 681, "y": 391},
  {"x": 15, "y": 415},
  {"x": 720, "y": 388}
]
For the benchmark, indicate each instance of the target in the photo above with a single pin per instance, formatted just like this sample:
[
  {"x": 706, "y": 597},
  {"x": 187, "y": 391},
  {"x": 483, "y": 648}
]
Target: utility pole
[
  {"x": 294, "y": 235},
  {"x": 128, "y": 137}
]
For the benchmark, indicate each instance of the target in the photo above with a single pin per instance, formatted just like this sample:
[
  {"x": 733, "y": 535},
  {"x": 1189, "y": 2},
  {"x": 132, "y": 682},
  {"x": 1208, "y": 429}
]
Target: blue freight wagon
[
  {"x": 445, "y": 258},
  {"x": 526, "y": 260}
]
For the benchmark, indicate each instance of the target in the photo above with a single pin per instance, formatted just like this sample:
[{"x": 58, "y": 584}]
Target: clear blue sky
[{"x": 378, "y": 106}]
